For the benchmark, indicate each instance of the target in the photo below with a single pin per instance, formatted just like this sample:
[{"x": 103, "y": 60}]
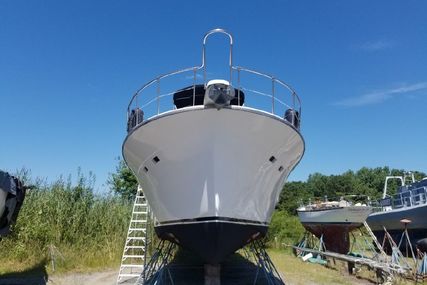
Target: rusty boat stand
[{"x": 386, "y": 267}]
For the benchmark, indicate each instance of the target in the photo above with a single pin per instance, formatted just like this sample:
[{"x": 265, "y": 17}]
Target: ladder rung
[
  {"x": 138, "y": 221},
  {"x": 132, "y": 256},
  {"x": 135, "y": 247},
  {"x": 137, "y": 229},
  {"x": 140, "y": 204},
  {"x": 129, "y": 275},
  {"x": 137, "y": 238},
  {"x": 138, "y": 213},
  {"x": 133, "y": 265}
]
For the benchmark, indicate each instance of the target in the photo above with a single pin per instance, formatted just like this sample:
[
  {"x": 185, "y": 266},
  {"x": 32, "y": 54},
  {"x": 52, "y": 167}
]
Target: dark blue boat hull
[
  {"x": 391, "y": 220},
  {"x": 211, "y": 240}
]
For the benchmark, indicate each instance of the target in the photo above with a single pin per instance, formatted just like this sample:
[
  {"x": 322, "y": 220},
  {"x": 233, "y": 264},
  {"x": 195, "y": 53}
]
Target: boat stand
[
  {"x": 156, "y": 271},
  {"x": 370, "y": 254},
  {"x": 308, "y": 241},
  {"x": 161, "y": 270},
  {"x": 256, "y": 253},
  {"x": 422, "y": 267},
  {"x": 405, "y": 240},
  {"x": 397, "y": 257},
  {"x": 312, "y": 242}
]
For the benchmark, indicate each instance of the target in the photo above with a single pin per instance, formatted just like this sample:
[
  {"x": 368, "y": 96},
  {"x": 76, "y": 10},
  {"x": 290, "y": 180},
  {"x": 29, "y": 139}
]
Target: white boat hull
[
  {"x": 3, "y": 196},
  {"x": 214, "y": 166},
  {"x": 344, "y": 215},
  {"x": 12, "y": 195},
  {"x": 213, "y": 163}
]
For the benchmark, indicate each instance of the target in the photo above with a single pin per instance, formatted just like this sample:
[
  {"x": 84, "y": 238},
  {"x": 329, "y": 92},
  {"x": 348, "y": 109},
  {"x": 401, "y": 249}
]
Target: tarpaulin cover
[{"x": 7, "y": 183}]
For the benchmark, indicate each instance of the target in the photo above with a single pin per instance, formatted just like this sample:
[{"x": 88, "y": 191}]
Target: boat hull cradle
[{"x": 335, "y": 236}]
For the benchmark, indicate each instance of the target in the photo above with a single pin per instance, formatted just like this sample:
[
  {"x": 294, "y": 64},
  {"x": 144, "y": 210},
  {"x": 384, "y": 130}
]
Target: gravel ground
[
  {"x": 236, "y": 270},
  {"x": 97, "y": 278},
  {"x": 109, "y": 278}
]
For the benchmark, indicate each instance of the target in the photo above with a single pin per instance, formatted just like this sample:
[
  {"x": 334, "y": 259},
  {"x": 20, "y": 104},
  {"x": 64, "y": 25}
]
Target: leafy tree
[
  {"x": 123, "y": 182},
  {"x": 364, "y": 182},
  {"x": 292, "y": 195},
  {"x": 317, "y": 185},
  {"x": 284, "y": 228}
]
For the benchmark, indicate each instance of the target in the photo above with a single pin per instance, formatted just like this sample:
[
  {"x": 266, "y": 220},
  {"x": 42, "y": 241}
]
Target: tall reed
[{"x": 66, "y": 226}]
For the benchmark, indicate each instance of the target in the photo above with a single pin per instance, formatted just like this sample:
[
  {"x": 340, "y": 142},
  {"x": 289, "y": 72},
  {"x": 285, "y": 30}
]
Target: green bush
[{"x": 284, "y": 229}]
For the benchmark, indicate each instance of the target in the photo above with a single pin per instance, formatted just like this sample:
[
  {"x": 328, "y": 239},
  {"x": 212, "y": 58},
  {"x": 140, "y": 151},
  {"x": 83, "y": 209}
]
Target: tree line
[{"x": 363, "y": 183}]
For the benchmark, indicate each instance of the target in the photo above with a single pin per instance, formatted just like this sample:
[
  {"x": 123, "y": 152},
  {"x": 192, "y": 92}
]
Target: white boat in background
[
  {"x": 212, "y": 157},
  {"x": 334, "y": 220}
]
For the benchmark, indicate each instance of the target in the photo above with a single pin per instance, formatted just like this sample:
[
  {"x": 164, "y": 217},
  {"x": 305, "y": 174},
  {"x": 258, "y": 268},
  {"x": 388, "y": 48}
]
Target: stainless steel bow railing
[{"x": 262, "y": 91}]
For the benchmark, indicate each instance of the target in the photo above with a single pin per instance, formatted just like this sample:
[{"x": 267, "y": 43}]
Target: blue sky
[{"x": 69, "y": 68}]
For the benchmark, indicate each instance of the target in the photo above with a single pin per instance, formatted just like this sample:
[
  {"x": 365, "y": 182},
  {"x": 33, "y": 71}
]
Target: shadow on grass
[
  {"x": 36, "y": 275},
  {"x": 186, "y": 268}
]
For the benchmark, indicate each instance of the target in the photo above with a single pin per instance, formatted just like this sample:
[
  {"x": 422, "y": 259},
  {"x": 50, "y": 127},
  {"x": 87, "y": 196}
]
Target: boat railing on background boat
[
  {"x": 409, "y": 198},
  {"x": 335, "y": 202},
  {"x": 261, "y": 91}
]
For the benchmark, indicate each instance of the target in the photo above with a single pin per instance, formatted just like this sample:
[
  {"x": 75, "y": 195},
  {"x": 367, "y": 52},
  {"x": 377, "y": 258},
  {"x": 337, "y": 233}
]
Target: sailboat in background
[{"x": 333, "y": 221}]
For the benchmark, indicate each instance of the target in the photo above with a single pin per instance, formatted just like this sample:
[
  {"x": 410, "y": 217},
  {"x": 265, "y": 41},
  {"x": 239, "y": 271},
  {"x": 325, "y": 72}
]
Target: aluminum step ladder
[
  {"x": 135, "y": 251},
  {"x": 374, "y": 238}
]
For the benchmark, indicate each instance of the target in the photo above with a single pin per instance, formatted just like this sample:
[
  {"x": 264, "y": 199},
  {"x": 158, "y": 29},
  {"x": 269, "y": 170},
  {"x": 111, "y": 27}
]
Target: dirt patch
[{"x": 97, "y": 278}]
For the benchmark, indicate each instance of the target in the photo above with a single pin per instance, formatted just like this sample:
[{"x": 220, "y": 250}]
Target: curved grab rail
[
  {"x": 230, "y": 60},
  {"x": 195, "y": 68}
]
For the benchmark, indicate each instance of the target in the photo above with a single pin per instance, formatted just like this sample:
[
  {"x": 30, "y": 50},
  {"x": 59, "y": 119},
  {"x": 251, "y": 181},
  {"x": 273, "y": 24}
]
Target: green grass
[
  {"x": 69, "y": 225},
  {"x": 297, "y": 272}
]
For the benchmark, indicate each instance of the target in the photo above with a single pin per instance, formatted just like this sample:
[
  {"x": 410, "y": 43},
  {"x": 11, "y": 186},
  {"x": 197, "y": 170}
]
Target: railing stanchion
[
  {"x": 239, "y": 87},
  {"x": 136, "y": 102},
  {"x": 194, "y": 87},
  {"x": 230, "y": 62},
  {"x": 272, "y": 98},
  {"x": 158, "y": 96},
  {"x": 293, "y": 101}
]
